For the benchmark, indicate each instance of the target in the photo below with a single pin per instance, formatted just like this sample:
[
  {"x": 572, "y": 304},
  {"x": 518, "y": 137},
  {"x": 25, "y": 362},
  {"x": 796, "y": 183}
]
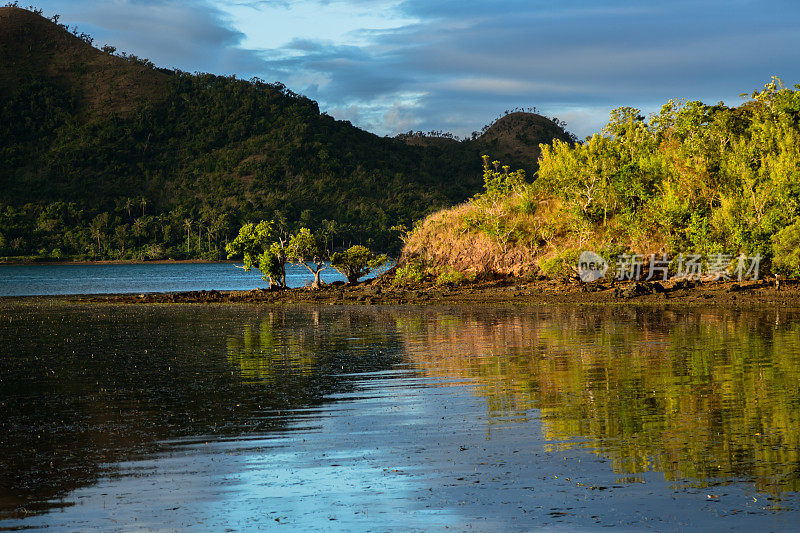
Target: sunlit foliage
[{"x": 693, "y": 178}]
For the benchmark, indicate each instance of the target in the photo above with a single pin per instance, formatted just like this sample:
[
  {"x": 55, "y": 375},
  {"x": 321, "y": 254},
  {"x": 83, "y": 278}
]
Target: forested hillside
[{"x": 107, "y": 156}]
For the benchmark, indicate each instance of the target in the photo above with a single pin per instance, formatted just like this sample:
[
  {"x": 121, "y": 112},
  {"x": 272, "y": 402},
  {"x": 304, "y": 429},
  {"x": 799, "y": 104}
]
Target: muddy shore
[{"x": 502, "y": 291}]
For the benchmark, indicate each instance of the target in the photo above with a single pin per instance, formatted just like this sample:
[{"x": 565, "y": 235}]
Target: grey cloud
[
  {"x": 584, "y": 56},
  {"x": 190, "y": 35},
  {"x": 464, "y": 62}
]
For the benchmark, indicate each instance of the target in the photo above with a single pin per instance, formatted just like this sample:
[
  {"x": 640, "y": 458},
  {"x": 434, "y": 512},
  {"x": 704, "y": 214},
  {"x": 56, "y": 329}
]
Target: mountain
[{"x": 107, "y": 156}]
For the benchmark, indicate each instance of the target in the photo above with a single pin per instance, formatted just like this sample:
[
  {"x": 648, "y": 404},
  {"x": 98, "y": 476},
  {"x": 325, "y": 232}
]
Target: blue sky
[{"x": 394, "y": 65}]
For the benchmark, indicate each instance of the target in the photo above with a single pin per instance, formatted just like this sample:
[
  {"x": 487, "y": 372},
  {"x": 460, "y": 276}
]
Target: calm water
[
  {"x": 159, "y": 417},
  {"x": 37, "y": 280}
]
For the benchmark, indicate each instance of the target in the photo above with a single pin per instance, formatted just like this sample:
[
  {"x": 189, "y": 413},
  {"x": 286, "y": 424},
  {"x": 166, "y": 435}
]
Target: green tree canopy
[
  {"x": 306, "y": 249},
  {"x": 258, "y": 248},
  {"x": 356, "y": 262}
]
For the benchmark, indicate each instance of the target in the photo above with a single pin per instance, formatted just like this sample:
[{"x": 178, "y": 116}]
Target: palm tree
[
  {"x": 187, "y": 223},
  {"x": 128, "y": 205}
]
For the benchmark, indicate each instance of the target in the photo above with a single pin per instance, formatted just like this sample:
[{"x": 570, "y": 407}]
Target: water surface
[
  {"x": 158, "y": 417},
  {"x": 49, "y": 280}
]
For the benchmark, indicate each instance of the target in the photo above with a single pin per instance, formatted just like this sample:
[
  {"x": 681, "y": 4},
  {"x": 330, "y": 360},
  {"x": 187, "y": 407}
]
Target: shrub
[
  {"x": 448, "y": 274},
  {"x": 786, "y": 250},
  {"x": 409, "y": 273},
  {"x": 561, "y": 264}
]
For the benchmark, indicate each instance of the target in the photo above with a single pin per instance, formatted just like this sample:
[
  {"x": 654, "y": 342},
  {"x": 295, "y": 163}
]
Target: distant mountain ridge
[{"x": 84, "y": 132}]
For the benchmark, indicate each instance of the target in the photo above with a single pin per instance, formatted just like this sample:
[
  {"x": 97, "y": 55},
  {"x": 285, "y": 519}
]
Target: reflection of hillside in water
[{"x": 695, "y": 394}]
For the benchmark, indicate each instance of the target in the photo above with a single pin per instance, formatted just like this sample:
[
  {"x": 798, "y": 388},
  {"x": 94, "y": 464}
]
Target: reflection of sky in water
[
  {"x": 399, "y": 455},
  {"x": 495, "y": 419},
  {"x": 31, "y": 280},
  {"x": 333, "y": 468}
]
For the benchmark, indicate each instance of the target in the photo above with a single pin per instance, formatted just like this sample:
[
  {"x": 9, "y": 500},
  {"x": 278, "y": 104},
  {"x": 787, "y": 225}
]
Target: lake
[
  {"x": 33, "y": 280},
  {"x": 242, "y": 417}
]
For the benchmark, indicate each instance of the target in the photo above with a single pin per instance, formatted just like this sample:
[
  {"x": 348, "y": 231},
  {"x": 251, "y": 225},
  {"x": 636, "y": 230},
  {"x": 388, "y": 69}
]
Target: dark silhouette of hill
[
  {"x": 515, "y": 137},
  {"x": 35, "y": 48},
  {"x": 106, "y": 155}
]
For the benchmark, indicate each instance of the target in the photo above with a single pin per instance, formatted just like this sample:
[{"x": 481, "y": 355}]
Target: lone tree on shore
[
  {"x": 258, "y": 248},
  {"x": 308, "y": 250},
  {"x": 356, "y": 262}
]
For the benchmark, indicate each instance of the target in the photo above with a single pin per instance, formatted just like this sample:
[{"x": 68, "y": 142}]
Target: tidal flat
[{"x": 397, "y": 417}]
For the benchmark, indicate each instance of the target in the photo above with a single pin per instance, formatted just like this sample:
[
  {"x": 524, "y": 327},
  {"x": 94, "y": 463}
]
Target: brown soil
[{"x": 505, "y": 291}]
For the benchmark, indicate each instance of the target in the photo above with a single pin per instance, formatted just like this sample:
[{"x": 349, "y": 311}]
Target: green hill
[
  {"x": 713, "y": 183},
  {"x": 106, "y": 156}
]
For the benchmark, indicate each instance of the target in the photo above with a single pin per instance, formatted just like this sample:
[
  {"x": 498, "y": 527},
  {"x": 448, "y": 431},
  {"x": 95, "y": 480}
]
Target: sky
[{"x": 390, "y": 66}]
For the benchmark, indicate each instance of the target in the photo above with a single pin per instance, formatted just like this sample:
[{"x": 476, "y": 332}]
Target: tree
[
  {"x": 258, "y": 249},
  {"x": 356, "y": 262},
  {"x": 308, "y": 250},
  {"x": 97, "y": 226},
  {"x": 121, "y": 233},
  {"x": 187, "y": 223}
]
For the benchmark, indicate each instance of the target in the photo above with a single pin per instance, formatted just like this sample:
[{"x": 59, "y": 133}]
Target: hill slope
[
  {"x": 715, "y": 188},
  {"x": 108, "y": 156},
  {"x": 35, "y": 48},
  {"x": 515, "y": 137}
]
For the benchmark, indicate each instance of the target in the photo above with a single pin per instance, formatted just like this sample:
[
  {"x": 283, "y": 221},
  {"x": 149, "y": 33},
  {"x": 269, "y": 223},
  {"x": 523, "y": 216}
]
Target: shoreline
[
  {"x": 496, "y": 292},
  {"x": 117, "y": 262}
]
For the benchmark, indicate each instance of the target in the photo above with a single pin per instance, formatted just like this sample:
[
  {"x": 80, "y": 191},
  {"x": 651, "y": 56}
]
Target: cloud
[
  {"x": 577, "y": 60},
  {"x": 190, "y": 35},
  {"x": 455, "y": 65}
]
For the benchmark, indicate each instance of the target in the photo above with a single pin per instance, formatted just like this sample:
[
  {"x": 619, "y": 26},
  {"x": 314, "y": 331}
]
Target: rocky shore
[{"x": 498, "y": 291}]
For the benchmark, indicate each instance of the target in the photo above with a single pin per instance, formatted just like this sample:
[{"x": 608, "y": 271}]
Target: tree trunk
[{"x": 317, "y": 284}]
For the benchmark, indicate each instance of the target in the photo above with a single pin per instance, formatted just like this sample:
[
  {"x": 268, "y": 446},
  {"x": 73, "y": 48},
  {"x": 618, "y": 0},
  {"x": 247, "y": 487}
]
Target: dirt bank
[{"x": 503, "y": 291}]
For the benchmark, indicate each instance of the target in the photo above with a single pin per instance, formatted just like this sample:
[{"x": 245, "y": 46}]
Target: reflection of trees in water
[
  {"x": 82, "y": 388},
  {"x": 304, "y": 354},
  {"x": 697, "y": 394}
]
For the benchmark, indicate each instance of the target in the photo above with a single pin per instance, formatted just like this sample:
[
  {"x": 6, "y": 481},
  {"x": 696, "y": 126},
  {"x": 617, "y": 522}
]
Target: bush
[
  {"x": 448, "y": 274},
  {"x": 409, "y": 273},
  {"x": 561, "y": 264},
  {"x": 786, "y": 250}
]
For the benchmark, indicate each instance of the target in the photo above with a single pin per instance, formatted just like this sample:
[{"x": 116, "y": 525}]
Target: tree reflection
[
  {"x": 304, "y": 354},
  {"x": 700, "y": 394},
  {"x": 82, "y": 388}
]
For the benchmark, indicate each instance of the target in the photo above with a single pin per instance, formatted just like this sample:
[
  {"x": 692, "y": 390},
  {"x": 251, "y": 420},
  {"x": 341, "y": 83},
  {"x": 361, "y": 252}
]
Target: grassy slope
[{"x": 693, "y": 179}]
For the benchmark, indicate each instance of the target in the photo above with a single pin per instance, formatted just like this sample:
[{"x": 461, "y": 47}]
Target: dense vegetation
[
  {"x": 150, "y": 163},
  {"x": 694, "y": 178},
  {"x": 216, "y": 151}
]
